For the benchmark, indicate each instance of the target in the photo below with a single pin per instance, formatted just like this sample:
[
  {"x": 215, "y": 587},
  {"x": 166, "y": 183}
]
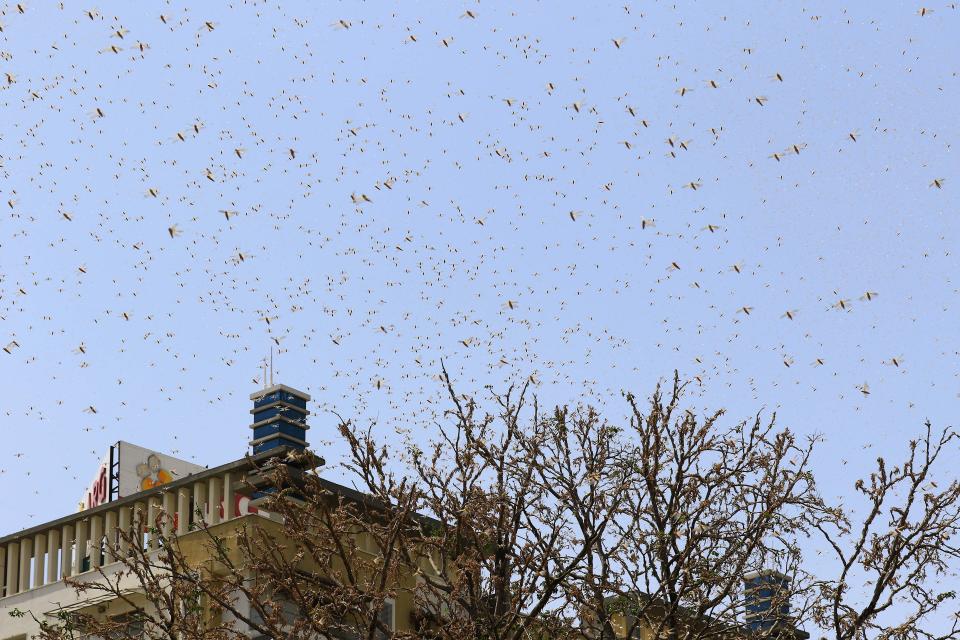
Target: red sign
[{"x": 99, "y": 491}]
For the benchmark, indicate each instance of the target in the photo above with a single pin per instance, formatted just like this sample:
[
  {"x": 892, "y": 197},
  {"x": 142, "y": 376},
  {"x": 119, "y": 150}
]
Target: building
[{"x": 35, "y": 561}]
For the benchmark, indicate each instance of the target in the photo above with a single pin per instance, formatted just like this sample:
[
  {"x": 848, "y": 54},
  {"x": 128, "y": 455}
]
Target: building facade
[{"x": 194, "y": 503}]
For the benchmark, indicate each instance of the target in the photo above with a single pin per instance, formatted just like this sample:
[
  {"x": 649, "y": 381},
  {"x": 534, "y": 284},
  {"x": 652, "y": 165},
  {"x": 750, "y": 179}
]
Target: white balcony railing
[{"x": 87, "y": 540}]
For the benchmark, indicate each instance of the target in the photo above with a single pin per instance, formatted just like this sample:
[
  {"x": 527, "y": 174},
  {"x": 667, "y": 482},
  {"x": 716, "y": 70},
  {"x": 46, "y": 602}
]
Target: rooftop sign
[{"x": 129, "y": 469}]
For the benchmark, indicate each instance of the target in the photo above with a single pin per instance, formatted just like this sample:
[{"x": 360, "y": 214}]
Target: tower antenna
[{"x": 271, "y": 365}]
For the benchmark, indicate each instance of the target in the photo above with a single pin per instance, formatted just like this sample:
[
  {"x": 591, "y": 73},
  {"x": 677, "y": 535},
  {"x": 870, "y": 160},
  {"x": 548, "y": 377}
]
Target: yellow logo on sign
[{"x": 152, "y": 474}]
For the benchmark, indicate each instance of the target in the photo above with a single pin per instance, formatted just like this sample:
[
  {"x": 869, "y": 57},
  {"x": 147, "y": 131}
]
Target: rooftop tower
[
  {"x": 767, "y": 599},
  {"x": 279, "y": 419}
]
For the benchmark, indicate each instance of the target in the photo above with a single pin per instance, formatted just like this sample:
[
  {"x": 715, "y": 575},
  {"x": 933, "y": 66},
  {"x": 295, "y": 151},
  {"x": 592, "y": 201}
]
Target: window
[
  {"x": 284, "y": 606},
  {"x": 190, "y": 597},
  {"x": 388, "y": 617}
]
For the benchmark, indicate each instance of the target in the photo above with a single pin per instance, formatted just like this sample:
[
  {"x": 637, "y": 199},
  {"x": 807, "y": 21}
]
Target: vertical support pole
[
  {"x": 26, "y": 550},
  {"x": 213, "y": 501},
  {"x": 126, "y": 531},
  {"x": 96, "y": 540},
  {"x": 169, "y": 508},
  {"x": 229, "y": 508},
  {"x": 53, "y": 552},
  {"x": 199, "y": 503},
  {"x": 80, "y": 547},
  {"x": 3, "y": 571},
  {"x": 139, "y": 519},
  {"x": 183, "y": 510},
  {"x": 151, "y": 522},
  {"x": 13, "y": 555},
  {"x": 66, "y": 551},
  {"x": 39, "y": 548},
  {"x": 110, "y": 533}
]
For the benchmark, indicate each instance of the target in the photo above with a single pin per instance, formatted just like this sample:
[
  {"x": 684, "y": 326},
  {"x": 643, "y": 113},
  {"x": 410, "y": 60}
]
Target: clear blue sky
[{"x": 469, "y": 120}]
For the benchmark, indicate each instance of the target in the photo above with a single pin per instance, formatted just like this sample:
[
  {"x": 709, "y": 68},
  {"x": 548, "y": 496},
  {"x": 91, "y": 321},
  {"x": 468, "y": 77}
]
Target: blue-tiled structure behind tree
[
  {"x": 279, "y": 418},
  {"x": 767, "y": 600}
]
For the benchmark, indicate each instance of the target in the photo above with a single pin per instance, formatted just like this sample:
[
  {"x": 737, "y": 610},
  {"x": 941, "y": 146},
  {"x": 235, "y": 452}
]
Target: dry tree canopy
[{"x": 515, "y": 522}]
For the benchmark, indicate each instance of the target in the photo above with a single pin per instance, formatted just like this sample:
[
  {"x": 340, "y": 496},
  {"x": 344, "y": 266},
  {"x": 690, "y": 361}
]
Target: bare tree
[
  {"x": 516, "y": 523},
  {"x": 706, "y": 504},
  {"x": 522, "y": 501},
  {"x": 898, "y": 550}
]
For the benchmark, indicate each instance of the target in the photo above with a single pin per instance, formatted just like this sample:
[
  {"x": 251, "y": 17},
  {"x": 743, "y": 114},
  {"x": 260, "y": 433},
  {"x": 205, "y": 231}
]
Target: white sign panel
[
  {"x": 141, "y": 469},
  {"x": 129, "y": 469}
]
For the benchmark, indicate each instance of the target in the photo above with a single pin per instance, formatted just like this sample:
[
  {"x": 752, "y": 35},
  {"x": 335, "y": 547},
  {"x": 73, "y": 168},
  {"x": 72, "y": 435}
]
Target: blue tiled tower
[
  {"x": 279, "y": 418},
  {"x": 767, "y": 600}
]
